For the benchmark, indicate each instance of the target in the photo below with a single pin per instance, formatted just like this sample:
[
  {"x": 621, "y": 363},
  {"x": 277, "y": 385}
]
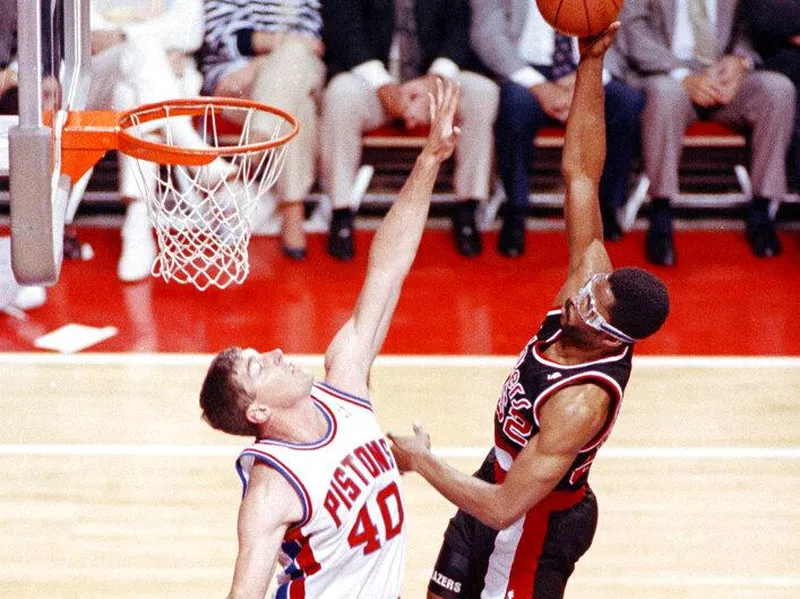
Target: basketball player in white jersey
[
  {"x": 529, "y": 514},
  {"x": 320, "y": 484}
]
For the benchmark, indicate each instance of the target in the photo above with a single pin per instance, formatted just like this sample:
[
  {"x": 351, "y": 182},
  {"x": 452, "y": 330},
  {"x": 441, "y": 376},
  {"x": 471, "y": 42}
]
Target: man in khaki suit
[{"x": 694, "y": 60}]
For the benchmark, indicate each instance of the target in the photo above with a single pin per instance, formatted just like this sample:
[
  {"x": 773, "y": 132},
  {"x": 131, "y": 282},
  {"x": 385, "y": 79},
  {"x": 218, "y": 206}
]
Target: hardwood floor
[{"x": 113, "y": 487}]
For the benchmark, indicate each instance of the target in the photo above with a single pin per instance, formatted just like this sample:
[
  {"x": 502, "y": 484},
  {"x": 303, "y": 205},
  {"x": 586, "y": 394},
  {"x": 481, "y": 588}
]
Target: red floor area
[{"x": 724, "y": 301}]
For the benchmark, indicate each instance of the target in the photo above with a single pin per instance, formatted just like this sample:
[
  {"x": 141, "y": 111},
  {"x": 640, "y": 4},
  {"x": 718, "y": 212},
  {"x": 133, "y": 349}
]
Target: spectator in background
[
  {"x": 141, "y": 53},
  {"x": 8, "y": 70},
  {"x": 694, "y": 60},
  {"x": 775, "y": 26},
  {"x": 427, "y": 38},
  {"x": 536, "y": 68},
  {"x": 271, "y": 51}
]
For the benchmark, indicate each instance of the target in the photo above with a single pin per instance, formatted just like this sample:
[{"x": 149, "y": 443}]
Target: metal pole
[{"x": 29, "y": 52}]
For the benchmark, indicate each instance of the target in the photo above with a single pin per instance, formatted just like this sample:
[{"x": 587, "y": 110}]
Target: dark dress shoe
[
  {"x": 511, "y": 242},
  {"x": 465, "y": 231},
  {"x": 340, "y": 237},
  {"x": 660, "y": 249},
  {"x": 296, "y": 254},
  {"x": 763, "y": 239},
  {"x": 612, "y": 231}
]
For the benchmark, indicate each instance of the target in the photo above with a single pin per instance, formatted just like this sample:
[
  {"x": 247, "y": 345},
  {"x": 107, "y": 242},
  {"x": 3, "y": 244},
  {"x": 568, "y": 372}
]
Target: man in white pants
[
  {"x": 140, "y": 54},
  {"x": 270, "y": 51}
]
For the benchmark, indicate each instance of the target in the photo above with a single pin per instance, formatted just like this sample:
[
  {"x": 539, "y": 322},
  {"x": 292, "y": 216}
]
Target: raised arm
[
  {"x": 582, "y": 166},
  {"x": 351, "y": 353}
]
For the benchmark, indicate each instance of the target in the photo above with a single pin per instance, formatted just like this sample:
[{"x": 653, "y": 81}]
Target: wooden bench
[
  {"x": 392, "y": 136},
  {"x": 700, "y": 135}
]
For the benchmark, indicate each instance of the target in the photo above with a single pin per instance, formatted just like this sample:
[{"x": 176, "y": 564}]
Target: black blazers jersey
[{"x": 534, "y": 380}]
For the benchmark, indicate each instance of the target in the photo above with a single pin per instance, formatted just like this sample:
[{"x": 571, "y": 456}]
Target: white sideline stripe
[
  {"x": 135, "y": 359},
  {"x": 668, "y": 453}
]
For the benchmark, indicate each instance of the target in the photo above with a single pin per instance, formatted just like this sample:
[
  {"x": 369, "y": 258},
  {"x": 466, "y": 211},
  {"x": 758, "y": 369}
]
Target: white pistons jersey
[{"x": 350, "y": 543}]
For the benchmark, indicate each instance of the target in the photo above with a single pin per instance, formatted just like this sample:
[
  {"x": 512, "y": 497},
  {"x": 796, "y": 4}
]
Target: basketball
[{"x": 581, "y": 18}]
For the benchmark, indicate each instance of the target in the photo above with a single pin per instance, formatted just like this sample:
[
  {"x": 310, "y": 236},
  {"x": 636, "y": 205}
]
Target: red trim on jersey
[
  {"x": 294, "y": 480},
  {"x": 297, "y": 589},
  {"x": 305, "y": 560},
  {"x": 608, "y": 384},
  {"x": 344, "y": 396},
  {"x": 503, "y": 444},
  {"x": 534, "y": 532},
  {"x": 333, "y": 426}
]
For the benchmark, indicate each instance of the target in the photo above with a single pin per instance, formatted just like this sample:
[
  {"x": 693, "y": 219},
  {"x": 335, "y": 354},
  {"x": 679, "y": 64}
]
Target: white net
[{"x": 202, "y": 214}]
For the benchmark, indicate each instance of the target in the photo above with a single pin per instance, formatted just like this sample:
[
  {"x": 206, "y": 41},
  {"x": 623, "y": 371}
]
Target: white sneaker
[
  {"x": 138, "y": 245},
  {"x": 29, "y": 297}
]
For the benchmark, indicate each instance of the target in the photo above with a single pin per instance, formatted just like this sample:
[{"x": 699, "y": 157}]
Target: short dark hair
[
  {"x": 223, "y": 399},
  {"x": 642, "y": 302}
]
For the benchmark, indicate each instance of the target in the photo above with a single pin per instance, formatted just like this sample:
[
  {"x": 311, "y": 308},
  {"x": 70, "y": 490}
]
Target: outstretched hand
[
  {"x": 597, "y": 45},
  {"x": 443, "y": 133},
  {"x": 406, "y": 449}
]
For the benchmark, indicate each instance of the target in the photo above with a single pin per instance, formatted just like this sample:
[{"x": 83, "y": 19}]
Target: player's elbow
[
  {"x": 503, "y": 519},
  {"x": 503, "y": 512}
]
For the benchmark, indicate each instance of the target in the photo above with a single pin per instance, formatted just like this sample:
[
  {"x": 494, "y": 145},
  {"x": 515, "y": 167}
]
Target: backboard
[{"x": 53, "y": 53}]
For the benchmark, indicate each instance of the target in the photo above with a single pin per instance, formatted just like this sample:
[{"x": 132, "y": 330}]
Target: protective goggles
[{"x": 586, "y": 306}]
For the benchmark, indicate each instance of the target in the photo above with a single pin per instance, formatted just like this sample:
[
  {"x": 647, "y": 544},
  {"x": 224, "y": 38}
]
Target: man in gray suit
[
  {"x": 535, "y": 67},
  {"x": 694, "y": 60}
]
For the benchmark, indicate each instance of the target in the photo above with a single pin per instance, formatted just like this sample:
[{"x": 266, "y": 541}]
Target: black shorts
[{"x": 463, "y": 561}]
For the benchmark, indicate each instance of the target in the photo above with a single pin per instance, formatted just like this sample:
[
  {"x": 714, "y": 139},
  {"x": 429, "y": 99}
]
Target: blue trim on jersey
[
  {"x": 291, "y": 548},
  {"x": 345, "y": 395},
  {"x": 329, "y": 417},
  {"x": 305, "y": 499}
]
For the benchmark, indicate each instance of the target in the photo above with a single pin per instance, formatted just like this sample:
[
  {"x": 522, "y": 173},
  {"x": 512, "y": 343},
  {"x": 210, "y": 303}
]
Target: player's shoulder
[
  {"x": 270, "y": 491},
  {"x": 575, "y": 405}
]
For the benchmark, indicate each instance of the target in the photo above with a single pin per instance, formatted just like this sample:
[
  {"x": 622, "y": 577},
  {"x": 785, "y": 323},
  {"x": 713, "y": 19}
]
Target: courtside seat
[
  {"x": 699, "y": 135},
  {"x": 708, "y": 134},
  {"x": 395, "y": 136}
]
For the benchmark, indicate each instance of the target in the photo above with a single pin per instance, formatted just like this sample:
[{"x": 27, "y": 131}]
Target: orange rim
[{"x": 167, "y": 154}]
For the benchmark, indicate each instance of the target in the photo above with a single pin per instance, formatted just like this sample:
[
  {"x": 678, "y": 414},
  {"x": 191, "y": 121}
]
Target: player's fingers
[
  {"x": 453, "y": 96},
  {"x": 439, "y": 91},
  {"x": 612, "y": 29}
]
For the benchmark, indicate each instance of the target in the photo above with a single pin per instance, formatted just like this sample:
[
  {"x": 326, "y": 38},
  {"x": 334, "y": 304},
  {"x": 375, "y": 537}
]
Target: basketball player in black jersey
[{"x": 528, "y": 514}]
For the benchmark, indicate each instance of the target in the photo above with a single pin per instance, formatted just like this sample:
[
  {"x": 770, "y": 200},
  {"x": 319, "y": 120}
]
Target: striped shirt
[{"x": 226, "y": 18}]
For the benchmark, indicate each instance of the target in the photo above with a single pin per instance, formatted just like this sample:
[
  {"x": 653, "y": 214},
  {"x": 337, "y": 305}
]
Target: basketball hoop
[
  {"x": 200, "y": 206},
  {"x": 200, "y": 200}
]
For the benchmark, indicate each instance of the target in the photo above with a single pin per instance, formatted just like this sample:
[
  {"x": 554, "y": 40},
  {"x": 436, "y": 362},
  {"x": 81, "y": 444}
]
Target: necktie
[
  {"x": 705, "y": 43},
  {"x": 563, "y": 59},
  {"x": 405, "y": 32}
]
